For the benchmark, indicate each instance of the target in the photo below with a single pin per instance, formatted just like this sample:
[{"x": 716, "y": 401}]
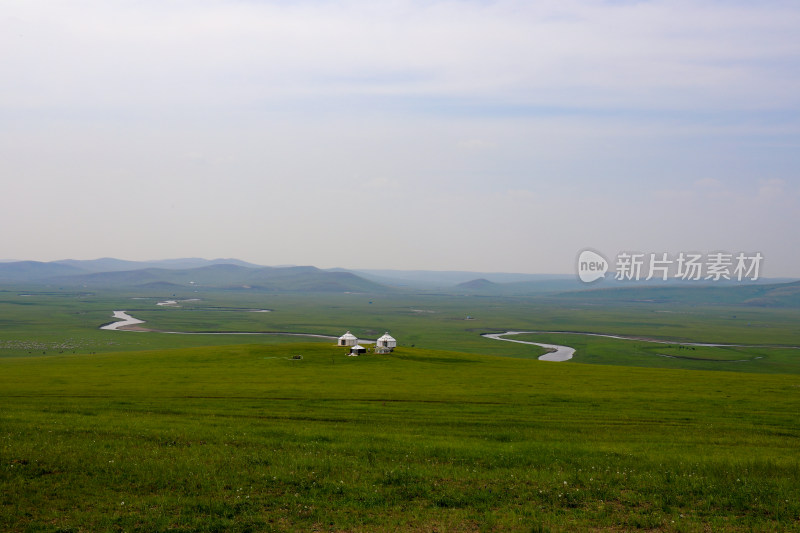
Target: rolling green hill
[
  {"x": 247, "y": 438},
  {"x": 152, "y": 431},
  {"x": 767, "y": 295}
]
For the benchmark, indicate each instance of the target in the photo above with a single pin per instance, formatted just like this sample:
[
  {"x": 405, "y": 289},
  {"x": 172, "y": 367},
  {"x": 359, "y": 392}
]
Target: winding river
[
  {"x": 556, "y": 352},
  {"x": 126, "y": 321},
  {"x": 565, "y": 353}
]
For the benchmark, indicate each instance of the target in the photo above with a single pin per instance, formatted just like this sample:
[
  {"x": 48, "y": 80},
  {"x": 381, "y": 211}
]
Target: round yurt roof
[
  {"x": 347, "y": 336},
  {"x": 387, "y": 337},
  {"x": 359, "y": 347}
]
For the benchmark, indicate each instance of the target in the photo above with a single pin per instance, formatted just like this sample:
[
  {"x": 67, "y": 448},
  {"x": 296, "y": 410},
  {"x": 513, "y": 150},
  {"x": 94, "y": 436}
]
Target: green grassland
[
  {"x": 152, "y": 431},
  {"x": 244, "y": 438},
  {"x": 50, "y": 319},
  {"x": 639, "y": 352}
]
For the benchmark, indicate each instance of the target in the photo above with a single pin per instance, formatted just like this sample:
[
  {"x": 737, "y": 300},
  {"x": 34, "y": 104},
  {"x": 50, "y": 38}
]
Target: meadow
[
  {"x": 143, "y": 431},
  {"x": 46, "y": 323},
  {"x": 641, "y": 352}
]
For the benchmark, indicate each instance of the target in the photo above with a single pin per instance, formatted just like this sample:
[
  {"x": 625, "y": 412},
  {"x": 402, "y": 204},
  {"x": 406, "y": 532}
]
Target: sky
[{"x": 495, "y": 136}]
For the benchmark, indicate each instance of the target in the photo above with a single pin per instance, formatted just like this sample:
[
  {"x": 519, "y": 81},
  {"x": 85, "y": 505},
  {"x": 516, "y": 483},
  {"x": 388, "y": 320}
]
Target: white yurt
[
  {"x": 357, "y": 350},
  {"x": 348, "y": 339},
  {"x": 385, "y": 344}
]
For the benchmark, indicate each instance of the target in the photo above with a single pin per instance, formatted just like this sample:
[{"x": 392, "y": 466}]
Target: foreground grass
[{"x": 244, "y": 438}]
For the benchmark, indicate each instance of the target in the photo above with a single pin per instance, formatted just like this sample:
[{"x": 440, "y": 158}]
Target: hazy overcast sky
[{"x": 473, "y": 135}]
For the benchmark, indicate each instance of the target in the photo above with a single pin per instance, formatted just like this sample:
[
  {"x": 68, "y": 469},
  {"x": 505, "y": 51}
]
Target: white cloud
[{"x": 771, "y": 189}]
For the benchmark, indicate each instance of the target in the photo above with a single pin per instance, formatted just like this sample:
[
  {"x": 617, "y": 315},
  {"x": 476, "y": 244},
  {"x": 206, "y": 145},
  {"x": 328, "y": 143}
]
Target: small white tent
[
  {"x": 348, "y": 339},
  {"x": 356, "y": 350},
  {"x": 385, "y": 344}
]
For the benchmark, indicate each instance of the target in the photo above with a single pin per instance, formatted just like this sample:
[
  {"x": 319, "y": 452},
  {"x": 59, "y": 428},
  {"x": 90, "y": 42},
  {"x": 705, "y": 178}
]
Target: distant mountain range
[
  {"x": 230, "y": 274},
  {"x": 109, "y": 264},
  {"x": 174, "y": 275},
  {"x": 450, "y": 278},
  {"x": 480, "y": 284}
]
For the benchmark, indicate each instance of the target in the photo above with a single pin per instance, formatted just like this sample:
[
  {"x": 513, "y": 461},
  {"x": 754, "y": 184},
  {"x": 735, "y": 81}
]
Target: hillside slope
[{"x": 215, "y": 275}]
